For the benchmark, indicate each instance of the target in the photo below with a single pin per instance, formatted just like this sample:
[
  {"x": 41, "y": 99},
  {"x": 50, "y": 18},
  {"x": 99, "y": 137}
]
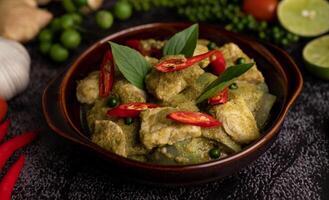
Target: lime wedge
[
  {"x": 304, "y": 17},
  {"x": 316, "y": 56}
]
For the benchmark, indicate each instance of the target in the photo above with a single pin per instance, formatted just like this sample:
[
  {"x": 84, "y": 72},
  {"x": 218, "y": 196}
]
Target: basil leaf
[
  {"x": 224, "y": 80},
  {"x": 183, "y": 42},
  {"x": 131, "y": 64}
]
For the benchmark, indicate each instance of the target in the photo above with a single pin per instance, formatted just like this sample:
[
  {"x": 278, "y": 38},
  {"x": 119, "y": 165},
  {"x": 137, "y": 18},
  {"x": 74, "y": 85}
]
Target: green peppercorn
[
  {"x": 240, "y": 61},
  {"x": 233, "y": 86},
  {"x": 214, "y": 153},
  {"x": 211, "y": 45},
  {"x": 112, "y": 102},
  {"x": 129, "y": 120}
]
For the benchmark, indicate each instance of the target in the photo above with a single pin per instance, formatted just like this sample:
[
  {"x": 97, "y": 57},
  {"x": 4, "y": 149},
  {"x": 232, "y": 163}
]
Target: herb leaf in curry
[
  {"x": 131, "y": 64},
  {"x": 183, "y": 42}
]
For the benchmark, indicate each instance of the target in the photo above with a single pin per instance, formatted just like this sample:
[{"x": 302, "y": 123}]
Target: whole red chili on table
[
  {"x": 176, "y": 64},
  {"x": 106, "y": 76},
  {"x": 4, "y": 129},
  {"x": 130, "y": 109},
  {"x": 194, "y": 118}
]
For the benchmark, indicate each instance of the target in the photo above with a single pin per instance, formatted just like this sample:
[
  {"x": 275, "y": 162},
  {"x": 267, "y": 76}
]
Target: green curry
[{"x": 152, "y": 136}]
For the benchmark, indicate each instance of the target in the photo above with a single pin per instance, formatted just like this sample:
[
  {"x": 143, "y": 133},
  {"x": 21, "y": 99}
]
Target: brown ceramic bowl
[{"x": 62, "y": 110}]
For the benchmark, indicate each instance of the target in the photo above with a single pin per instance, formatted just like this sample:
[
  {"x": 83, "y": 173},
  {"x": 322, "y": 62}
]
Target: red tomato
[
  {"x": 261, "y": 9},
  {"x": 194, "y": 118},
  {"x": 220, "y": 98},
  {"x": 130, "y": 109},
  {"x": 3, "y": 109},
  {"x": 218, "y": 63}
]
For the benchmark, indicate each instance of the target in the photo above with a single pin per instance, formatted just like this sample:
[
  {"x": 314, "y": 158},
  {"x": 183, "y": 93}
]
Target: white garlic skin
[{"x": 14, "y": 68}]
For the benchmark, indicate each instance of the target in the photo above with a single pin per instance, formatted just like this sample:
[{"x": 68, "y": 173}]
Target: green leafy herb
[
  {"x": 131, "y": 64},
  {"x": 224, "y": 80},
  {"x": 183, "y": 42}
]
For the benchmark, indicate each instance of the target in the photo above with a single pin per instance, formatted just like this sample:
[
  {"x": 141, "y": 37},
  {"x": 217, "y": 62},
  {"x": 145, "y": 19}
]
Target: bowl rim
[{"x": 250, "y": 149}]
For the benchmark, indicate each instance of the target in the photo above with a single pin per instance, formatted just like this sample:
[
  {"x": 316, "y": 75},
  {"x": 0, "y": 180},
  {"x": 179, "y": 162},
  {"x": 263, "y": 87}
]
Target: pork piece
[
  {"x": 265, "y": 106},
  {"x": 189, "y": 151},
  {"x": 218, "y": 134},
  {"x": 127, "y": 92},
  {"x": 109, "y": 136},
  {"x": 238, "y": 121},
  {"x": 186, "y": 99},
  {"x": 201, "y": 49},
  {"x": 87, "y": 89},
  {"x": 166, "y": 85},
  {"x": 231, "y": 53},
  {"x": 156, "y": 130}
]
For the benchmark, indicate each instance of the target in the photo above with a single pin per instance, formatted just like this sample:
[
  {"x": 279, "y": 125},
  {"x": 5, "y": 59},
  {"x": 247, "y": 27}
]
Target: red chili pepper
[
  {"x": 136, "y": 44},
  {"x": 9, "y": 180},
  {"x": 220, "y": 98},
  {"x": 9, "y": 147},
  {"x": 130, "y": 109},
  {"x": 3, "y": 109},
  {"x": 217, "y": 63},
  {"x": 106, "y": 75},
  {"x": 4, "y": 129},
  {"x": 194, "y": 118},
  {"x": 176, "y": 64}
]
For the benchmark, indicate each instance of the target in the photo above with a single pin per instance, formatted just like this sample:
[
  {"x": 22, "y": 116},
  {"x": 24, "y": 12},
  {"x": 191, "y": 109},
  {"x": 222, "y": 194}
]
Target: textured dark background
[{"x": 295, "y": 167}]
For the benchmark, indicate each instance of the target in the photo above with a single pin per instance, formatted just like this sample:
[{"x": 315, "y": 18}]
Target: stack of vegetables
[{"x": 7, "y": 149}]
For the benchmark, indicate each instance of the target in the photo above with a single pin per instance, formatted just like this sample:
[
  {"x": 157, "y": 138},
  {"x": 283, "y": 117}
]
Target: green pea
[
  {"x": 56, "y": 24},
  {"x": 104, "y": 19},
  {"x": 80, "y": 3},
  {"x": 68, "y": 5},
  {"x": 112, "y": 102},
  {"x": 211, "y": 45},
  {"x": 58, "y": 53},
  {"x": 46, "y": 35},
  {"x": 240, "y": 61},
  {"x": 233, "y": 86},
  {"x": 44, "y": 47},
  {"x": 122, "y": 10},
  {"x": 262, "y": 35},
  {"x": 214, "y": 153},
  {"x": 67, "y": 21},
  {"x": 129, "y": 120},
  {"x": 70, "y": 38}
]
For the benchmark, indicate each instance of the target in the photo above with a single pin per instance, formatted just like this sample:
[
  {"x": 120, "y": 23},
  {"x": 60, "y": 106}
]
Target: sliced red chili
[
  {"x": 4, "y": 129},
  {"x": 177, "y": 64},
  {"x": 194, "y": 118},
  {"x": 130, "y": 109},
  {"x": 9, "y": 180},
  {"x": 220, "y": 98},
  {"x": 217, "y": 63},
  {"x": 135, "y": 44},
  {"x": 106, "y": 75},
  {"x": 3, "y": 109},
  {"x": 9, "y": 147}
]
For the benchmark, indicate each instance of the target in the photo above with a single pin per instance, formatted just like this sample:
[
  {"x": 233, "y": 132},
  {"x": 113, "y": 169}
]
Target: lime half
[
  {"x": 316, "y": 56},
  {"x": 304, "y": 17}
]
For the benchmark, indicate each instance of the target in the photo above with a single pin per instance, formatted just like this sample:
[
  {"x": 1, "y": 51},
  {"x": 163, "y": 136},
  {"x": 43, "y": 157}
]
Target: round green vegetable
[
  {"x": 240, "y": 61},
  {"x": 67, "y": 21},
  {"x": 44, "y": 47},
  {"x": 58, "y": 53},
  {"x": 104, "y": 19},
  {"x": 233, "y": 86},
  {"x": 70, "y": 38},
  {"x": 214, "y": 153},
  {"x": 46, "y": 35},
  {"x": 211, "y": 45},
  {"x": 68, "y": 5},
  {"x": 129, "y": 120},
  {"x": 80, "y": 3},
  {"x": 77, "y": 18},
  {"x": 122, "y": 10},
  {"x": 56, "y": 24},
  {"x": 112, "y": 102}
]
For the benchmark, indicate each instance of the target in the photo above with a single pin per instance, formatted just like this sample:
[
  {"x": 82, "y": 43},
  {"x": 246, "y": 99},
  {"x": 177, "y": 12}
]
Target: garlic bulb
[{"x": 14, "y": 68}]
